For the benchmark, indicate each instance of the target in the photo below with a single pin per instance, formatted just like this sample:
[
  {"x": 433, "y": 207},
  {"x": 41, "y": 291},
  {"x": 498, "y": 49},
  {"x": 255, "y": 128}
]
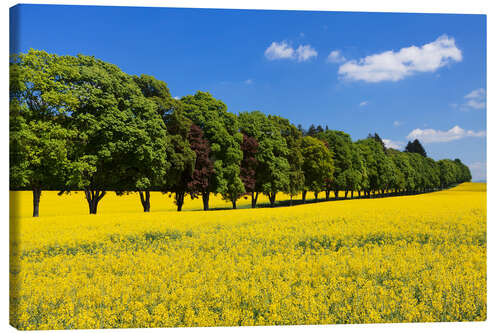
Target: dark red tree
[
  {"x": 198, "y": 182},
  {"x": 249, "y": 146}
]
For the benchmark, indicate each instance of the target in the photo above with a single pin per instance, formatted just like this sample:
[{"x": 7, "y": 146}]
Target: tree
[
  {"x": 415, "y": 147},
  {"x": 318, "y": 165},
  {"x": 378, "y": 139},
  {"x": 293, "y": 137},
  {"x": 197, "y": 181},
  {"x": 249, "y": 164},
  {"x": 340, "y": 144},
  {"x": 220, "y": 128},
  {"x": 39, "y": 153},
  {"x": 121, "y": 131},
  {"x": 273, "y": 167},
  {"x": 39, "y": 104},
  {"x": 376, "y": 164},
  {"x": 178, "y": 158},
  {"x": 405, "y": 179}
]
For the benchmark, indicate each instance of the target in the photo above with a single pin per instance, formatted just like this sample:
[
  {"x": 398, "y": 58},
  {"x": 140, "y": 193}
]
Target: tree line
[{"x": 79, "y": 123}]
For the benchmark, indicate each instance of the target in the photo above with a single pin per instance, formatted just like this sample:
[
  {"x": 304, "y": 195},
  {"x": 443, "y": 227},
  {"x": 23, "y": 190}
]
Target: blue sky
[{"x": 403, "y": 76}]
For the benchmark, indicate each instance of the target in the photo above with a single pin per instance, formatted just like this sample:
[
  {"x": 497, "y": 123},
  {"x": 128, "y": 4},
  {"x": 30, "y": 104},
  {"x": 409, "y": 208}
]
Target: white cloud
[
  {"x": 364, "y": 103},
  {"x": 335, "y": 57},
  {"x": 397, "y": 123},
  {"x": 177, "y": 97},
  {"x": 279, "y": 51},
  {"x": 395, "y": 66},
  {"x": 283, "y": 50},
  {"x": 476, "y": 99},
  {"x": 393, "y": 144},
  {"x": 248, "y": 81},
  {"x": 431, "y": 135},
  {"x": 305, "y": 52}
]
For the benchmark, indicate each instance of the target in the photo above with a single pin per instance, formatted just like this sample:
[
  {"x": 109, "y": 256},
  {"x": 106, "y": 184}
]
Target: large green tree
[
  {"x": 40, "y": 103},
  {"x": 123, "y": 135}
]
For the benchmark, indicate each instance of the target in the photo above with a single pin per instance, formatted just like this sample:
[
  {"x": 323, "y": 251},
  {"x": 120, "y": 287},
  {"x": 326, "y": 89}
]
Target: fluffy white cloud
[
  {"x": 177, "y": 97},
  {"x": 394, "y": 66},
  {"x": 393, "y": 144},
  {"x": 279, "y": 51},
  {"x": 335, "y": 57},
  {"x": 476, "y": 99},
  {"x": 283, "y": 50},
  {"x": 397, "y": 123},
  {"x": 431, "y": 135},
  {"x": 305, "y": 52},
  {"x": 364, "y": 103}
]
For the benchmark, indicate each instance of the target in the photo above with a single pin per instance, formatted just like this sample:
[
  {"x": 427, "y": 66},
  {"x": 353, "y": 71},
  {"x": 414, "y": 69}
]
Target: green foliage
[
  {"x": 81, "y": 123},
  {"x": 220, "y": 128},
  {"x": 318, "y": 163},
  {"x": 39, "y": 154},
  {"x": 273, "y": 168}
]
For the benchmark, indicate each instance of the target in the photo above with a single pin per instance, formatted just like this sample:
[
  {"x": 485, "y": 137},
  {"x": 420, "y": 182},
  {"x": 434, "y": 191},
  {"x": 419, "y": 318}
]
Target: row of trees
[{"x": 79, "y": 123}]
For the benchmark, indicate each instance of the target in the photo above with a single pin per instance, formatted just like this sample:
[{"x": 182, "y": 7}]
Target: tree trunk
[
  {"x": 291, "y": 199},
  {"x": 179, "y": 200},
  {"x": 346, "y": 194},
  {"x": 327, "y": 195},
  {"x": 336, "y": 192},
  {"x": 304, "y": 193},
  {"x": 315, "y": 196},
  {"x": 359, "y": 194},
  {"x": 93, "y": 198},
  {"x": 205, "y": 195},
  {"x": 234, "y": 203},
  {"x": 36, "y": 201},
  {"x": 145, "y": 200},
  {"x": 255, "y": 195},
  {"x": 352, "y": 194},
  {"x": 272, "y": 198}
]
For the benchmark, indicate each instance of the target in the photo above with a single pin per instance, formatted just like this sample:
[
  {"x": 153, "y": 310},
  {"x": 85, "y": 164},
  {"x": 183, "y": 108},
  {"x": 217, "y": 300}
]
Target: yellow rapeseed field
[{"x": 399, "y": 259}]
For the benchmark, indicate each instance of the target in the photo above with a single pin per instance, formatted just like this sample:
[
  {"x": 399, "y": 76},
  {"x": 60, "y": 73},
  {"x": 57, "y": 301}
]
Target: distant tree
[
  {"x": 376, "y": 163},
  {"x": 318, "y": 165},
  {"x": 405, "y": 179},
  {"x": 415, "y": 147},
  {"x": 378, "y": 139},
  {"x": 340, "y": 144},
  {"x": 311, "y": 131},
  {"x": 220, "y": 128},
  {"x": 301, "y": 129}
]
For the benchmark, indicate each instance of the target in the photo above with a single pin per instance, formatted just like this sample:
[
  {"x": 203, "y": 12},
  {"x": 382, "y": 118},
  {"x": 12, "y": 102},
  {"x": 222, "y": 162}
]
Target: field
[{"x": 399, "y": 259}]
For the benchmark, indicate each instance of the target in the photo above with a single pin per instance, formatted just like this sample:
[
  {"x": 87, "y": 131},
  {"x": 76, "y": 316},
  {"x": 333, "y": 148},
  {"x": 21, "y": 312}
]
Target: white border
[{"x": 422, "y": 6}]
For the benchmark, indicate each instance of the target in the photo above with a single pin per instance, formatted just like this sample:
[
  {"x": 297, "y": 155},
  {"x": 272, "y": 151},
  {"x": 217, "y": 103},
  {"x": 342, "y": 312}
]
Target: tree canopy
[{"x": 79, "y": 123}]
